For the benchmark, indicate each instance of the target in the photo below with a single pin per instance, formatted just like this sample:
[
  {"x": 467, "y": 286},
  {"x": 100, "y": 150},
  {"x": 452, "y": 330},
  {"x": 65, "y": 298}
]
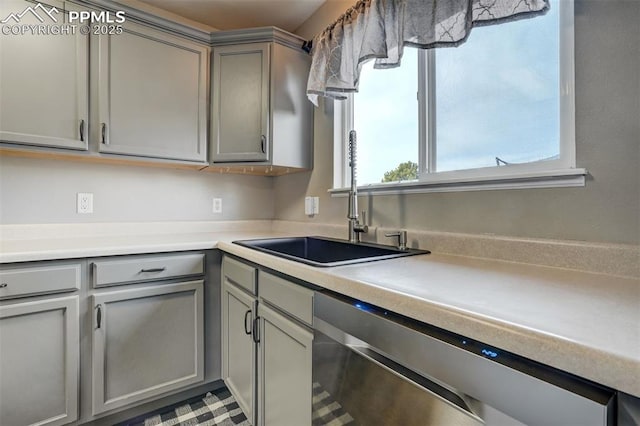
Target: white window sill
[{"x": 448, "y": 183}]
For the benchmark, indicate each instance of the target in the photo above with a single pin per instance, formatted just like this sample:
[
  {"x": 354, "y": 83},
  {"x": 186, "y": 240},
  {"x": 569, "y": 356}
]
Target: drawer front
[
  {"x": 39, "y": 280},
  {"x": 291, "y": 298},
  {"x": 145, "y": 268},
  {"x": 240, "y": 274}
]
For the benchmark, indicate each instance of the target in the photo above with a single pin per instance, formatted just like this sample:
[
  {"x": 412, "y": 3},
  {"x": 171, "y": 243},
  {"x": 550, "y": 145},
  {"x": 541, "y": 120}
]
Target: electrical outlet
[
  {"x": 85, "y": 203},
  {"x": 316, "y": 205},
  {"x": 217, "y": 205}
]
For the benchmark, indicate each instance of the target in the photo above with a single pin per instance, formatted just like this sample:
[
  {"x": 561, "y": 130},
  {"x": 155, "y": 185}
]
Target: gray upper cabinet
[
  {"x": 260, "y": 112},
  {"x": 152, "y": 95},
  {"x": 39, "y": 362},
  {"x": 146, "y": 342},
  {"x": 44, "y": 90},
  {"x": 240, "y": 102}
]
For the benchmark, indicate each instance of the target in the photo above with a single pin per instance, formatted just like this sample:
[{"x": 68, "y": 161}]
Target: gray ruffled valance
[{"x": 381, "y": 28}]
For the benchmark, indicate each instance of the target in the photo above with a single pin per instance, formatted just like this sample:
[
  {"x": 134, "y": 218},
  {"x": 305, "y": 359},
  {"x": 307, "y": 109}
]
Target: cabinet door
[
  {"x": 238, "y": 347},
  {"x": 146, "y": 342},
  {"x": 152, "y": 95},
  {"x": 240, "y": 103},
  {"x": 44, "y": 85},
  {"x": 39, "y": 362},
  {"x": 285, "y": 370}
]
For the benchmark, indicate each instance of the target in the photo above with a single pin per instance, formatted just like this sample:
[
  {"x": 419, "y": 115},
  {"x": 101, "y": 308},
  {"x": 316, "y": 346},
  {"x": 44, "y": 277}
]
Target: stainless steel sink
[{"x": 321, "y": 251}]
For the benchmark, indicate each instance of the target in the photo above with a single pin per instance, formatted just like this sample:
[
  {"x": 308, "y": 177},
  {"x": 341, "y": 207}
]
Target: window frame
[{"x": 561, "y": 172}]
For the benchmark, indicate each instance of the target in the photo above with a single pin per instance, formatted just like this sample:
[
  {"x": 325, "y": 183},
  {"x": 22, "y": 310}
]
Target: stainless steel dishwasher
[{"x": 373, "y": 367}]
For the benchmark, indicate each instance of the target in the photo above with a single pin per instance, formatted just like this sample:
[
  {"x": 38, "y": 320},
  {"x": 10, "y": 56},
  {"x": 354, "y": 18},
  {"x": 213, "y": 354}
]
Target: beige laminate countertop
[
  {"x": 113, "y": 245},
  {"x": 583, "y": 323},
  {"x": 586, "y": 324}
]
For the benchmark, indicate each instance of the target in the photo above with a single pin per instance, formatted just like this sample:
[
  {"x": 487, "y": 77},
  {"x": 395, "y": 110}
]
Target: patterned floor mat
[{"x": 217, "y": 408}]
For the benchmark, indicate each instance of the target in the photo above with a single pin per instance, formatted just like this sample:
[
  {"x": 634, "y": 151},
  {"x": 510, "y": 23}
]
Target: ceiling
[{"x": 236, "y": 14}]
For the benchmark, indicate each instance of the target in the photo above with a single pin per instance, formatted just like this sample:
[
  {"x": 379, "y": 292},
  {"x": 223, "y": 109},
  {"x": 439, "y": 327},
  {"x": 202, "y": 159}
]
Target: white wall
[
  {"x": 608, "y": 138},
  {"x": 607, "y": 209},
  {"x": 44, "y": 191}
]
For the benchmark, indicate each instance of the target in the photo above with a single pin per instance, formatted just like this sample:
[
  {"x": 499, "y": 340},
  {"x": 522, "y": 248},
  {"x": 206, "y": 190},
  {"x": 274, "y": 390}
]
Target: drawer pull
[
  {"x": 153, "y": 270},
  {"x": 81, "y": 129},
  {"x": 247, "y": 330},
  {"x": 103, "y": 133},
  {"x": 3, "y": 285},
  {"x": 99, "y": 316},
  {"x": 263, "y": 144}
]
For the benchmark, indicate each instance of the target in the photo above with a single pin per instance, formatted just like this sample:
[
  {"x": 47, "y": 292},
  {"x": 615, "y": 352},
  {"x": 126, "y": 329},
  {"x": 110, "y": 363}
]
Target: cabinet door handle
[
  {"x": 4, "y": 285},
  {"x": 81, "y": 130},
  {"x": 263, "y": 144},
  {"x": 153, "y": 270},
  {"x": 256, "y": 330},
  {"x": 247, "y": 329},
  {"x": 103, "y": 132},
  {"x": 98, "y": 316}
]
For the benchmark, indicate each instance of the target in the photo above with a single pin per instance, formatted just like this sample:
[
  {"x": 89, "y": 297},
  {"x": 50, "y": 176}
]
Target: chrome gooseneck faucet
[{"x": 355, "y": 227}]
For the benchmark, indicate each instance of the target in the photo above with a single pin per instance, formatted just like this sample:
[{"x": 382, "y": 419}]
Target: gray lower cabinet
[
  {"x": 266, "y": 345},
  {"x": 153, "y": 92},
  {"x": 39, "y": 362},
  {"x": 284, "y": 358},
  {"x": 44, "y": 99},
  {"x": 72, "y": 353},
  {"x": 146, "y": 342},
  {"x": 238, "y": 348}
]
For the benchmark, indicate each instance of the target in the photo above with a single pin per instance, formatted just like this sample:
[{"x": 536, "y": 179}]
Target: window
[
  {"x": 385, "y": 116},
  {"x": 495, "y": 112}
]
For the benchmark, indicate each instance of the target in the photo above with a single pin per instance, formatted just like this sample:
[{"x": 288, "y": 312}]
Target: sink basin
[{"x": 321, "y": 251}]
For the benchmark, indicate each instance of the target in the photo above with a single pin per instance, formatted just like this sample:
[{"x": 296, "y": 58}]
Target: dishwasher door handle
[{"x": 408, "y": 375}]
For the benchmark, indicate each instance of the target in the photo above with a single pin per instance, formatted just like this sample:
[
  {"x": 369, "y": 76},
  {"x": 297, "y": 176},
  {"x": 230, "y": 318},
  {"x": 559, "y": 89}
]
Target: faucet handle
[
  {"x": 402, "y": 238},
  {"x": 362, "y": 226}
]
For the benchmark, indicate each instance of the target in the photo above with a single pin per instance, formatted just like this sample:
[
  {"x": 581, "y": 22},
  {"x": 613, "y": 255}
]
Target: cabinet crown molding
[
  {"x": 257, "y": 35},
  {"x": 145, "y": 18},
  {"x": 216, "y": 38}
]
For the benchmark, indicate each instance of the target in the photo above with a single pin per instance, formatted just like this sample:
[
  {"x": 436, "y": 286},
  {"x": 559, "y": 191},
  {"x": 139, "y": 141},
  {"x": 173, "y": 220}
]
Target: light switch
[
  {"x": 308, "y": 206},
  {"x": 311, "y": 206}
]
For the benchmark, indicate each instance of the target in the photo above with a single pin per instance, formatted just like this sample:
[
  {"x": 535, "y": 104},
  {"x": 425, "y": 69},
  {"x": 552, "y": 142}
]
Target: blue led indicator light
[
  {"x": 489, "y": 353},
  {"x": 363, "y": 307}
]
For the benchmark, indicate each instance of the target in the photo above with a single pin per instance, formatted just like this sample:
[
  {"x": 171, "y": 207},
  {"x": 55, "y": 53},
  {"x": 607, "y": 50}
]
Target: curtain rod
[{"x": 308, "y": 45}]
